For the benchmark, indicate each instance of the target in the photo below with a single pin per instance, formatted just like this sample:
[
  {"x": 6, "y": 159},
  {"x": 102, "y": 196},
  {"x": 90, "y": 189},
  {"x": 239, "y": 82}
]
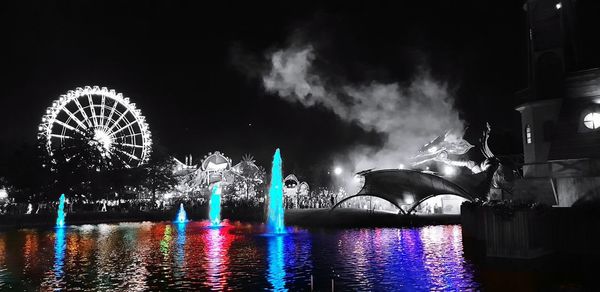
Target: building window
[
  {"x": 592, "y": 121},
  {"x": 528, "y": 135}
]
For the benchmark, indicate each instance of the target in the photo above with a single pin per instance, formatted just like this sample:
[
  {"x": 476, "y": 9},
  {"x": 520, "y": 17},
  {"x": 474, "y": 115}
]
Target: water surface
[{"x": 193, "y": 256}]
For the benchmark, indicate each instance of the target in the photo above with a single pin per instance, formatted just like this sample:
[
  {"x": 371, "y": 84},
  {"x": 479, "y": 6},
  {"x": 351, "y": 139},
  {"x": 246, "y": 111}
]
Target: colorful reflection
[
  {"x": 180, "y": 249},
  {"x": 217, "y": 243},
  {"x": 166, "y": 256},
  {"x": 30, "y": 250},
  {"x": 165, "y": 242},
  {"x": 443, "y": 257},
  {"x": 276, "y": 259},
  {"x": 413, "y": 259},
  {"x": 3, "y": 268},
  {"x": 59, "y": 253}
]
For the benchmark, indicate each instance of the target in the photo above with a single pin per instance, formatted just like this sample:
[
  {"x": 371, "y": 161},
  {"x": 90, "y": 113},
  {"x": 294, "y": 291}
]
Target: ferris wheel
[{"x": 98, "y": 123}]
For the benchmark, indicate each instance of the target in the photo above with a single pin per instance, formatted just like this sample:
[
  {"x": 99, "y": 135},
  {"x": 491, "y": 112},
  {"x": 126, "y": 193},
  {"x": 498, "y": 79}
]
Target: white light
[
  {"x": 400, "y": 166},
  {"x": 592, "y": 121},
  {"x": 103, "y": 138},
  {"x": 558, "y": 5},
  {"x": 408, "y": 198},
  {"x": 3, "y": 194},
  {"x": 449, "y": 170},
  {"x": 337, "y": 170}
]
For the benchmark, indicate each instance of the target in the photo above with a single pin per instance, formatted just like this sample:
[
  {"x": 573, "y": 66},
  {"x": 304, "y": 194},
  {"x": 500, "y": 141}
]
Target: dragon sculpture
[{"x": 480, "y": 169}]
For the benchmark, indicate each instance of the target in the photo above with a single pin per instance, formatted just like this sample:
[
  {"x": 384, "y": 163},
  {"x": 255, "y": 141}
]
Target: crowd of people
[{"x": 319, "y": 198}]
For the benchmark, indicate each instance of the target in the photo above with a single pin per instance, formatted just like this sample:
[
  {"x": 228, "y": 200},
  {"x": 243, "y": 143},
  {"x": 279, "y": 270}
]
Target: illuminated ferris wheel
[{"x": 98, "y": 125}]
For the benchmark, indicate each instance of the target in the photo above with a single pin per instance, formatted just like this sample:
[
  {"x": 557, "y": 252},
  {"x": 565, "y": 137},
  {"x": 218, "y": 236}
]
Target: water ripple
[{"x": 192, "y": 256}]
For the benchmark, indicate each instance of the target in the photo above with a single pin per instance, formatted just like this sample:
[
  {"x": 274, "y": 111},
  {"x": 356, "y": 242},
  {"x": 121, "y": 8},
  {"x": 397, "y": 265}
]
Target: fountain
[
  {"x": 60, "y": 218},
  {"x": 214, "y": 211},
  {"x": 181, "y": 215},
  {"x": 275, "y": 216}
]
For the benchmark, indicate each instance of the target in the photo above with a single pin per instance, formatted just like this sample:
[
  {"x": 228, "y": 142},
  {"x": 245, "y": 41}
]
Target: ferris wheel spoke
[
  {"x": 112, "y": 111},
  {"x": 91, "y": 102},
  {"x": 102, "y": 111},
  {"x": 118, "y": 156},
  {"x": 128, "y": 145},
  {"x": 127, "y": 154},
  {"x": 128, "y": 135},
  {"x": 74, "y": 118},
  {"x": 87, "y": 120},
  {"x": 123, "y": 128},
  {"x": 116, "y": 123},
  {"x": 68, "y": 126},
  {"x": 61, "y": 136}
]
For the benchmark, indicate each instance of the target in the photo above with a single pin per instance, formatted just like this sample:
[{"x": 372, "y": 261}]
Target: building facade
[{"x": 560, "y": 109}]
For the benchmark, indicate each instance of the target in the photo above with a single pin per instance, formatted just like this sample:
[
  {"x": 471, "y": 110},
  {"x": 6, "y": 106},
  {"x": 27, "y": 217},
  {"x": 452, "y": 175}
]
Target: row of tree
[{"x": 30, "y": 176}]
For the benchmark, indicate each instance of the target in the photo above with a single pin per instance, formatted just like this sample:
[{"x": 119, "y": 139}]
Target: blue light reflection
[
  {"x": 59, "y": 253},
  {"x": 276, "y": 258}
]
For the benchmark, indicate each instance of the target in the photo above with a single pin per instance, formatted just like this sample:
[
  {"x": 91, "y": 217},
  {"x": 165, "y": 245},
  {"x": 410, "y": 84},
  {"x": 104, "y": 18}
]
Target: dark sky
[{"x": 193, "y": 68}]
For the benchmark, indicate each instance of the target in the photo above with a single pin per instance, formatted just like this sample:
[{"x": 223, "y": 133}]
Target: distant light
[
  {"x": 449, "y": 170},
  {"x": 558, "y": 5},
  {"x": 400, "y": 166},
  {"x": 592, "y": 121},
  {"x": 408, "y": 198},
  {"x": 337, "y": 170}
]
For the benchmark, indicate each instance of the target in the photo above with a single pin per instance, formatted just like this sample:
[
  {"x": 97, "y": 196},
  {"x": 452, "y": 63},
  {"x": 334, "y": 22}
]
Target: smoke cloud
[{"x": 408, "y": 115}]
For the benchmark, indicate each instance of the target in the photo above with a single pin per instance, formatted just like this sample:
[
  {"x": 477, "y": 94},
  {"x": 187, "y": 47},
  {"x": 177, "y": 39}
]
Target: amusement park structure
[
  {"x": 96, "y": 122},
  {"x": 216, "y": 167},
  {"x": 449, "y": 165}
]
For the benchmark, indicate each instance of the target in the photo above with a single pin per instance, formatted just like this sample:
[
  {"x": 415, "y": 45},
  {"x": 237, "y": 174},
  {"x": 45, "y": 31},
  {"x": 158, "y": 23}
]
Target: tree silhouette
[{"x": 158, "y": 176}]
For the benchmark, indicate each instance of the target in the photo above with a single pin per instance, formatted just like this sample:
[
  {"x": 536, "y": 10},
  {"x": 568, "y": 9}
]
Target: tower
[{"x": 561, "y": 142}]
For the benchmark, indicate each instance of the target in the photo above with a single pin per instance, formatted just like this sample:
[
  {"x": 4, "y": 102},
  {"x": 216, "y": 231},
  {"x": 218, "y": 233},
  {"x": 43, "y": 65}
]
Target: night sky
[{"x": 194, "y": 69}]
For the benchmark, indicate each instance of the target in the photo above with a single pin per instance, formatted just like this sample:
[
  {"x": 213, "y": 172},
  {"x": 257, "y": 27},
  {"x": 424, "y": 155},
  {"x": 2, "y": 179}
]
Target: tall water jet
[
  {"x": 181, "y": 215},
  {"x": 60, "y": 217},
  {"x": 275, "y": 215},
  {"x": 214, "y": 211}
]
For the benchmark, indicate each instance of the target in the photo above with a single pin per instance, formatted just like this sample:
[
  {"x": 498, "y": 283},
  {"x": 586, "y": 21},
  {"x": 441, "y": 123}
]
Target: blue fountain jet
[
  {"x": 181, "y": 215},
  {"x": 60, "y": 218},
  {"x": 214, "y": 211},
  {"x": 275, "y": 216}
]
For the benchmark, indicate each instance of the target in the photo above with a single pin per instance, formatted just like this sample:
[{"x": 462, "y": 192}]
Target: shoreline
[
  {"x": 305, "y": 218},
  {"x": 360, "y": 218}
]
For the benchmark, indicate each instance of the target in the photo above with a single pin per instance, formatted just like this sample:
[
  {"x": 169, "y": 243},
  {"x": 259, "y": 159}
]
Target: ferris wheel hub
[{"x": 103, "y": 139}]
